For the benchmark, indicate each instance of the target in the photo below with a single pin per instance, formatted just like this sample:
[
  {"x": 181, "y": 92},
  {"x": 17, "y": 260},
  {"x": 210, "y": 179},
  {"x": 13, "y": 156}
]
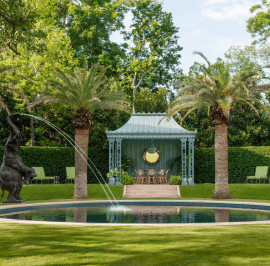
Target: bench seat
[
  {"x": 70, "y": 175},
  {"x": 41, "y": 176},
  {"x": 261, "y": 173}
]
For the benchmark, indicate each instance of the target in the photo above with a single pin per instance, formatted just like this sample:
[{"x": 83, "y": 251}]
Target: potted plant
[{"x": 114, "y": 174}]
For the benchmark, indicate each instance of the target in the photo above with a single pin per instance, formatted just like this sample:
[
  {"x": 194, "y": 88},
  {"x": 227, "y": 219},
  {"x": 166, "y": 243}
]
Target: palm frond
[
  {"x": 180, "y": 103},
  {"x": 188, "y": 112},
  {"x": 112, "y": 106},
  {"x": 218, "y": 90},
  {"x": 190, "y": 78},
  {"x": 86, "y": 89},
  {"x": 207, "y": 93},
  {"x": 203, "y": 56},
  {"x": 244, "y": 75},
  {"x": 226, "y": 105},
  {"x": 94, "y": 99},
  {"x": 63, "y": 77},
  {"x": 248, "y": 103}
]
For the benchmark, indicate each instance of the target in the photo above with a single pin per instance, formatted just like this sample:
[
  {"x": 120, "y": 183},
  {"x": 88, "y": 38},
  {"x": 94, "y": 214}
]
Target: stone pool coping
[{"x": 137, "y": 224}]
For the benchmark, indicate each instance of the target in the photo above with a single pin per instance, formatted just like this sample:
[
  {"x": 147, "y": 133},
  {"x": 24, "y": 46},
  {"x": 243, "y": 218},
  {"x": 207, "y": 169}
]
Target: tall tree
[
  {"x": 240, "y": 133},
  {"x": 89, "y": 25},
  {"x": 153, "y": 52},
  {"x": 85, "y": 90},
  {"x": 151, "y": 102},
  {"x": 17, "y": 19},
  {"x": 250, "y": 57},
  {"x": 259, "y": 25},
  {"x": 33, "y": 43},
  {"x": 217, "y": 93}
]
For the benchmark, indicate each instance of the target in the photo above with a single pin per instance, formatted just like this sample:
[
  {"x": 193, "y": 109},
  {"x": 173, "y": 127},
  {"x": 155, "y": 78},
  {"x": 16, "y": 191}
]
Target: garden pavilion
[{"x": 170, "y": 139}]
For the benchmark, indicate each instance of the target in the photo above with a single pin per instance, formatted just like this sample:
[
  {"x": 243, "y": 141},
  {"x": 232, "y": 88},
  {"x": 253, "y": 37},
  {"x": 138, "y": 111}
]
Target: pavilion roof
[{"x": 142, "y": 125}]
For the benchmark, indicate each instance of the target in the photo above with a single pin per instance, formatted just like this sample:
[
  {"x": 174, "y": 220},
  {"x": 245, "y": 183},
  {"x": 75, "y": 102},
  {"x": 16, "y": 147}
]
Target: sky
[{"x": 208, "y": 26}]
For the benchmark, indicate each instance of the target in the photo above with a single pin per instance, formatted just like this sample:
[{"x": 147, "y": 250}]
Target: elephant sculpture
[{"x": 13, "y": 169}]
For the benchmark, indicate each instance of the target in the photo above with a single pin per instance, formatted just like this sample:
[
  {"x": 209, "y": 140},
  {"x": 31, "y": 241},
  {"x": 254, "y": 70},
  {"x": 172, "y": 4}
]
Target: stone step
[{"x": 151, "y": 191}]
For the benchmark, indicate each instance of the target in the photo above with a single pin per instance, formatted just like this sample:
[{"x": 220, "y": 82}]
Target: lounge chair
[
  {"x": 41, "y": 176},
  {"x": 261, "y": 173},
  {"x": 70, "y": 175}
]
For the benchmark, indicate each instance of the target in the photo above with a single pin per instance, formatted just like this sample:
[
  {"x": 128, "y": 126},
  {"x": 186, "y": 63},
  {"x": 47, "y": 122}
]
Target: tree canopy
[
  {"x": 259, "y": 24},
  {"x": 152, "y": 52}
]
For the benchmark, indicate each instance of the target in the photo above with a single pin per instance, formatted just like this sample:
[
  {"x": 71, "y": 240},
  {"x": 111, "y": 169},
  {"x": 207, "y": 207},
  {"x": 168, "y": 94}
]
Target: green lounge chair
[
  {"x": 261, "y": 173},
  {"x": 41, "y": 176},
  {"x": 70, "y": 175}
]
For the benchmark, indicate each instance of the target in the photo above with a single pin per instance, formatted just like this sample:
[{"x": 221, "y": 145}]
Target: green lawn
[
  {"x": 24, "y": 244},
  {"x": 44, "y": 193}
]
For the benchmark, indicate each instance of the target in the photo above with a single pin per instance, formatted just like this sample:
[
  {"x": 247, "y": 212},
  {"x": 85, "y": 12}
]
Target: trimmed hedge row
[
  {"x": 242, "y": 162},
  {"x": 56, "y": 159}
]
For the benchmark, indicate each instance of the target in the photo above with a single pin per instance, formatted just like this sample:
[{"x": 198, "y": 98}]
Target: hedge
[
  {"x": 242, "y": 161},
  {"x": 55, "y": 160}
]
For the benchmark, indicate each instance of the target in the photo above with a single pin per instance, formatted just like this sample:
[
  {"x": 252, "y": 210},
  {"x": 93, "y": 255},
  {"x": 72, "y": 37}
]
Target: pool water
[{"x": 139, "y": 214}]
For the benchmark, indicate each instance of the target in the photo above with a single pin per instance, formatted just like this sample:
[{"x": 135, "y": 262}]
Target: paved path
[{"x": 151, "y": 191}]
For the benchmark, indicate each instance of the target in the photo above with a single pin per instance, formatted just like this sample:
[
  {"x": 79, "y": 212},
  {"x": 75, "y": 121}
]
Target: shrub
[
  {"x": 175, "y": 180},
  {"x": 113, "y": 173},
  {"x": 127, "y": 180}
]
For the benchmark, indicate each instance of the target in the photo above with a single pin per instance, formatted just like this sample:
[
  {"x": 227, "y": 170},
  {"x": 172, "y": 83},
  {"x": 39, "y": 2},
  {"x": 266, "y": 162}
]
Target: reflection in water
[
  {"x": 119, "y": 208},
  {"x": 222, "y": 216},
  {"x": 142, "y": 214},
  {"x": 80, "y": 214}
]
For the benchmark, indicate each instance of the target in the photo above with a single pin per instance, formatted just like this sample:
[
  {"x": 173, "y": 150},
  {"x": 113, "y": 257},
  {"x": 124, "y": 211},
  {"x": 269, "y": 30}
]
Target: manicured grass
[
  {"x": 243, "y": 192},
  {"x": 24, "y": 244},
  {"x": 128, "y": 246},
  {"x": 62, "y": 192}
]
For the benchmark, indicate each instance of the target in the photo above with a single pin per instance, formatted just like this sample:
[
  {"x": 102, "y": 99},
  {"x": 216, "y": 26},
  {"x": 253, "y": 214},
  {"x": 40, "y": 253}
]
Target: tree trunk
[
  {"x": 80, "y": 186},
  {"x": 221, "y": 163}
]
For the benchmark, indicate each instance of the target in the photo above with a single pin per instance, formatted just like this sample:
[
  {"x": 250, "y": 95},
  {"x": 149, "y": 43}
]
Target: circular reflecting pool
[{"x": 144, "y": 213}]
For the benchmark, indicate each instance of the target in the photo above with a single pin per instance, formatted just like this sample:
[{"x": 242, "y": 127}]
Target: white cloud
[
  {"x": 228, "y": 9},
  {"x": 210, "y": 2}
]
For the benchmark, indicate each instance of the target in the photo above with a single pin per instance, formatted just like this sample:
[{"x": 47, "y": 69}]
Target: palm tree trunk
[
  {"x": 221, "y": 163},
  {"x": 80, "y": 186}
]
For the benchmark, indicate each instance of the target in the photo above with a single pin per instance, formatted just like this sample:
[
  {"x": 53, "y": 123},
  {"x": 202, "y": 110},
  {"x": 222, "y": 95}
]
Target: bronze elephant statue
[{"x": 13, "y": 169}]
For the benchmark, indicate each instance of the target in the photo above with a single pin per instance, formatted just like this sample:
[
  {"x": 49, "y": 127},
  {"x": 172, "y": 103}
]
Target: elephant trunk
[{"x": 14, "y": 128}]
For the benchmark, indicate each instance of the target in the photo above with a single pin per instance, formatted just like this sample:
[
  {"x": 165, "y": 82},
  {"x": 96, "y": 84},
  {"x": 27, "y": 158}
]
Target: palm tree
[
  {"x": 218, "y": 92},
  {"x": 85, "y": 90}
]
